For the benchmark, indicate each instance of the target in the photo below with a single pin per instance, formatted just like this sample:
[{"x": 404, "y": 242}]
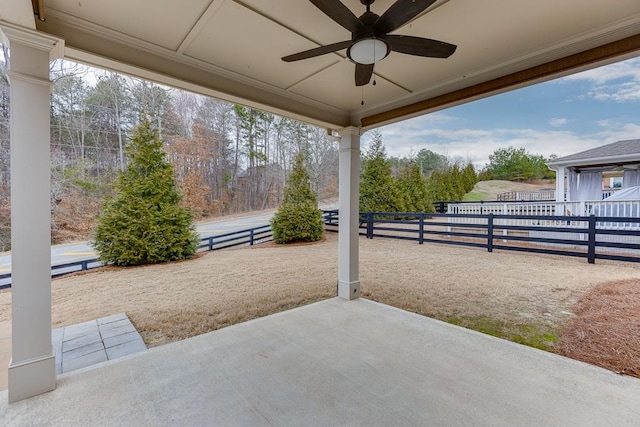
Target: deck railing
[
  {"x": 528, "y": 196},
  {"x": 600, "y": 208}
]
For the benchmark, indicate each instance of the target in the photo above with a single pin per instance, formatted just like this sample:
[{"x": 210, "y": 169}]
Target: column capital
[
  {"x": 32, "y": 38},
  {"x": 351, "y": 130},
  {"x": 349, "y": 139}
]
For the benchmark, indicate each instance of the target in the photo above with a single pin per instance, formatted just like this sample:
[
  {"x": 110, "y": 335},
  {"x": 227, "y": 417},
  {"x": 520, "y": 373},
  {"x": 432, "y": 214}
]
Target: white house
[{"x": 579, "y": 176}]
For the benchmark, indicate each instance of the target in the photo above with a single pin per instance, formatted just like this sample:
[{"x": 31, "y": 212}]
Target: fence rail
[
  {"x": 510, "y": 196},
  {"x": 599, "y": 208},
  {"x": 584, "y": 234},
  {"x": 590, "y": 237},
  {"x": 248, "y": 237}
]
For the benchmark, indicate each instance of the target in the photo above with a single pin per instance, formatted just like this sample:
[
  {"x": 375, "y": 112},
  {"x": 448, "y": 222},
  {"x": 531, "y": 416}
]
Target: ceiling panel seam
[
  {"x": 208, "y": 13},
  {"x": 135, "y": 43},
  {"x": 391, "y": 82},
  {"x": 303, "y": 79}
]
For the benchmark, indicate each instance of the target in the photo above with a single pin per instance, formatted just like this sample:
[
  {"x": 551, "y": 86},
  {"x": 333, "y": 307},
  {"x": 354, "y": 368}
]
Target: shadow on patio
[{"x": 337, "y": 363}]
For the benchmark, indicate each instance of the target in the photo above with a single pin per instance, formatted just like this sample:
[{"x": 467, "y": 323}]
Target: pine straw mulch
[{"x": 606, "y": 329}]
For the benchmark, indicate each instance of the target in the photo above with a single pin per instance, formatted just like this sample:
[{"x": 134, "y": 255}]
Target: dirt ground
[{"x": 173, "y": 301}]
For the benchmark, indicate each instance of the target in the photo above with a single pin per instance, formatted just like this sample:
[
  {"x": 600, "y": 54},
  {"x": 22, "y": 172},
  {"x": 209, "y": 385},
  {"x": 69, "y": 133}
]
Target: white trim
[
  {"x": 31, "y": 361},
  {"x": 14, "y": 75},
  {"x": 596, "y": 160},
  {"x": 34, "y": 39},
  {"x": 94, "y": 60},
  {"x": 31, "y": 377}
]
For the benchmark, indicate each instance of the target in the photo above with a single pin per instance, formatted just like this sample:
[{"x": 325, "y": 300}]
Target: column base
[
  {"x": 349, "y": 290},
  {"x": 31, "y": 378}
]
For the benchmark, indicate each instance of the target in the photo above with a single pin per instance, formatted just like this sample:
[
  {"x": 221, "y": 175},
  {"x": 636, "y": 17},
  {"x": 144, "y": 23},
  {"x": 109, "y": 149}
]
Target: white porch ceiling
[{"x": 232, "y": 49}]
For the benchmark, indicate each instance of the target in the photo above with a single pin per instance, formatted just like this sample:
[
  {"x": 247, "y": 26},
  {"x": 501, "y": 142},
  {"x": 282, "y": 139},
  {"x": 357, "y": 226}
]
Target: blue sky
[{"x": 564, "y": 116}]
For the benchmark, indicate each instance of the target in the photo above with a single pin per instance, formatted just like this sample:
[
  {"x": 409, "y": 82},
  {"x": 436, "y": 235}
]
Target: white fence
[
  {"x": 614, "y": 208},
  {"x": 599, "y": 208},
  {"x": 519, "y": 196},
  {"x": 542, "y": 195}
]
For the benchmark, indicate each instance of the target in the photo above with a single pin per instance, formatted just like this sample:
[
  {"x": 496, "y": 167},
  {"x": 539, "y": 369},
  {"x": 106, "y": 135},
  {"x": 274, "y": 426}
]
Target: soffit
[{"x": 232, "y": 49}]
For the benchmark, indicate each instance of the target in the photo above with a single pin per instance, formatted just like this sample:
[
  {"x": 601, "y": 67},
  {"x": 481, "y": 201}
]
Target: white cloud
[
  {"x": 629, "y": 69},
  {"x": 624, "y": 92},
  {"x": 454, "y": 137},
  {"x": 476, "y": 145},
  {"x": 619, "y": 82},
  {"x": 619, "y": 132},
  {"x": 558, "y": 121}
]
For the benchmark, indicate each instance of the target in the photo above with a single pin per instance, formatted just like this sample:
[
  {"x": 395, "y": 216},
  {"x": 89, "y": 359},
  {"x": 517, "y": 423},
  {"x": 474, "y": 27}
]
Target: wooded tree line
[{"x": 226, "y": 158}]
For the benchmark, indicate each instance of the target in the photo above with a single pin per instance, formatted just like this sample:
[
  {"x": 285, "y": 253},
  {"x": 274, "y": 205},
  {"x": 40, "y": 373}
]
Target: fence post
[
  {"x": 441, "y": 207},
  {"x": 211, "y": 243},
  {"x": 490, "y": 233},
  {"x": 505, "y": 211},
  {"x": 85, "y": 265},
  {"x": 251, "y": 237},
  {"x": 591, "y": 246},
  {"x": 370, "y": 225},
  {"x": 421, "y": 233}
]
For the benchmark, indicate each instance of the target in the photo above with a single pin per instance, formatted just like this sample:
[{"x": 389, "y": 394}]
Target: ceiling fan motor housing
[
  {"x": 368, "y": 32},
  {"x": 370, "y": 40}
]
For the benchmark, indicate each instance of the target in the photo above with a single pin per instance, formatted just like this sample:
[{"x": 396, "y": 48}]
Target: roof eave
[{"x": 608, "y": 160}]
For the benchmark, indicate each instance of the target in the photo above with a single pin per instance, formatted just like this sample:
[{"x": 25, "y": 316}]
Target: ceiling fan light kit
[
  {"x": 368, "y": 51},
  {"x": 370, "y": 41}
]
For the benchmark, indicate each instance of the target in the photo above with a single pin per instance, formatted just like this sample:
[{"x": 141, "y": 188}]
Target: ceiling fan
[{"x": 370, "y": 39}]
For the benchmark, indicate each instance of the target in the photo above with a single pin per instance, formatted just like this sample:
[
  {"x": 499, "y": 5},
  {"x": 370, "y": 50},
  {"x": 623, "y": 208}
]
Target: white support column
[
  {"x": 560, "y": 178},
  {"x": 349, "y": 187},
  {"x": 32, "y": 366}
]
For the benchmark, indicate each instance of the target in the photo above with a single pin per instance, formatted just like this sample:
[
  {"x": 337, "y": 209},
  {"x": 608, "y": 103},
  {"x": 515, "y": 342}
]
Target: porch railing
[
  {"x": 527, "y": 196},
  {"x": 600, "y": 208}
]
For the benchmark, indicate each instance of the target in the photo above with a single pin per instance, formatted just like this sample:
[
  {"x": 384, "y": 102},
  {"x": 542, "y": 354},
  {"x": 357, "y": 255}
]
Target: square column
[
  {"x": 349, "y": 208},
  {"x": 32, "y": 365},
  {"x": 560, "y": 187}
]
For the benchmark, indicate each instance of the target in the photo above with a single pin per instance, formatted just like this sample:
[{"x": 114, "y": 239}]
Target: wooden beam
[
  {"x": 545, "y": 71},
  {"x": 38, "y": 9}
]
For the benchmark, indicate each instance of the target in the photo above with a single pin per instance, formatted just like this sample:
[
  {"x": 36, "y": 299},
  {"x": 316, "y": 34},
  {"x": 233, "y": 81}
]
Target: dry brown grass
[
  {"x": 173, "y": 301},
  {"x": 606, "y": 329}
]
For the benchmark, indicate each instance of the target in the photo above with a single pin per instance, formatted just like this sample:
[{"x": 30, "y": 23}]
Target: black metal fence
[
  {"x": 581, "y": 236},
  {"x": 490, "y": 233},
  {"x": 247, "y": 237}
]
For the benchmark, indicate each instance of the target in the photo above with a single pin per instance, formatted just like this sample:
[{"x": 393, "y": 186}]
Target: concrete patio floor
[
  {"x": 81, "y": 345},
  {"x": 336, "y": 363}
]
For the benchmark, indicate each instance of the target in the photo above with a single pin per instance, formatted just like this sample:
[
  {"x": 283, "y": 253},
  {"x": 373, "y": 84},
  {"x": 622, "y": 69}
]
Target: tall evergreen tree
[
  {"x": 378, "y": 189},
  {"x": 413, "y": 188},
  {"x": 144, "y": 223},
  {"x": 470, "y": 177},
  {"x": 454, "y": 174},
  {"x": 298, "y": 217}
]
